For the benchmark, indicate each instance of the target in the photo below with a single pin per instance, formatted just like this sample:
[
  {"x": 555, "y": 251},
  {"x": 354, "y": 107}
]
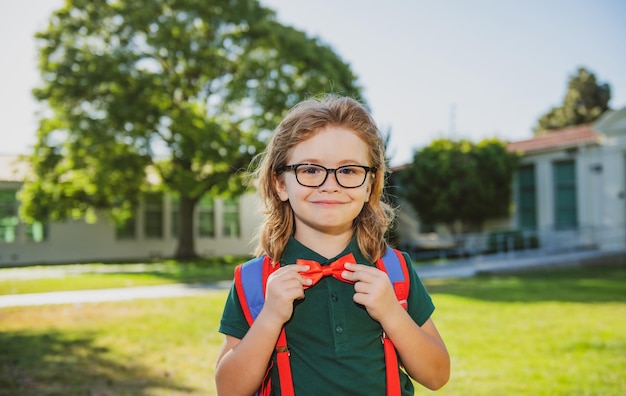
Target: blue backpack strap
[
  {"x": 250, "y": 280},
  {"x": 394, "y": 264}
]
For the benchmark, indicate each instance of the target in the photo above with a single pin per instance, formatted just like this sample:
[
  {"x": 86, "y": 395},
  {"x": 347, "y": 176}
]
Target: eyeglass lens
[{"x": 315, "y": 175}]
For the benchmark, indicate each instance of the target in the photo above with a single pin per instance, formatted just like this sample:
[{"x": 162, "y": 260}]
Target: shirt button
[
  {"x": 339, "y": 329},
  {"x": 334, "y": 298}
]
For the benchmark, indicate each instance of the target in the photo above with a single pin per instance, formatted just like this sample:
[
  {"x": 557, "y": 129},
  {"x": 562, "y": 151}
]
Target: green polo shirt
[{"x": 335, "y": 346}]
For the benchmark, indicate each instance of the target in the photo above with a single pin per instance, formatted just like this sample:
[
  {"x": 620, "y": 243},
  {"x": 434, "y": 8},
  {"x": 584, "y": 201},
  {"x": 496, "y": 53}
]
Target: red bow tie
[{"x": 317, "y": 271}]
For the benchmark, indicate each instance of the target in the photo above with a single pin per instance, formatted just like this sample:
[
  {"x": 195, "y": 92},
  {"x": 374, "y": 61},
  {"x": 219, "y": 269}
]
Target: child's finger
[{"x": 358, "y": 272}]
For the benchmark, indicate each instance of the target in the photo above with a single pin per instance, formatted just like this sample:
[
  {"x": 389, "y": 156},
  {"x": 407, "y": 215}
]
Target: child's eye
[
  {"x": 348, "y": 170},
  {"x": 310, "y": 169}
]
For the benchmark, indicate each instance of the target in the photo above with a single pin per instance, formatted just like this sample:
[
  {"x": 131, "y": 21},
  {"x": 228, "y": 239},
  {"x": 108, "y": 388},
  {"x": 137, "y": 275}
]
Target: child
[{"x": 321, "y": 179}]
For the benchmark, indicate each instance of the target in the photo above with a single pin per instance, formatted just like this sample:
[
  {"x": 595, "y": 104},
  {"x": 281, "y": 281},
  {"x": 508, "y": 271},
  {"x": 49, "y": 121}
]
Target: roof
[
  {"x": 13, "y": 168},
  {"x": 612, "y": 122},
  {"x": 557, "y": 139}
]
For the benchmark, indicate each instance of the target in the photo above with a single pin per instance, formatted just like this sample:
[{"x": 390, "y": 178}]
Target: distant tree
[
  {"x": 187, "y": 90},
  {"x": 459, "y": 182},
  {"x": 585, "y": 101}
]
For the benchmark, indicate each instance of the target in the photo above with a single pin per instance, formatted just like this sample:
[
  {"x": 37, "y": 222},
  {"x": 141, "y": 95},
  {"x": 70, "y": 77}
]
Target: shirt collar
[{"x": 296, "y": 250}]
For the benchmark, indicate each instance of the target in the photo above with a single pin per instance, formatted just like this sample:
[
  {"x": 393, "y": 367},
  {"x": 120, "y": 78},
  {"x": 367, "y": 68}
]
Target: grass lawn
[
  {"x": 100, "y": 276},
  {"x": 561, "y": 332}
]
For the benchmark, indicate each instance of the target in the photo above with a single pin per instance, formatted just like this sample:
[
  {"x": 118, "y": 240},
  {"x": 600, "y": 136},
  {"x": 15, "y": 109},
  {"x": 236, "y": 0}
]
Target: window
[
  {"x": 527, "y": 197},
  {"x": 153, "y": 215},
  {"x": 10, "y": 225},
  {"x": 230, "y": 213},
  {"x": 206, "y": 217},
  {"x": 8, "y": 216},
  {"x": 565, "y": 207},
  {"x": 36, "y": 232}
]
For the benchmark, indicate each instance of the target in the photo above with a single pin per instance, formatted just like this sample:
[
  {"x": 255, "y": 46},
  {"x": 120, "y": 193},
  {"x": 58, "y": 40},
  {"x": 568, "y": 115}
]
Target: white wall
[
  {"x": 77, "y": 241},
  {"x": 601, "y": 190}
]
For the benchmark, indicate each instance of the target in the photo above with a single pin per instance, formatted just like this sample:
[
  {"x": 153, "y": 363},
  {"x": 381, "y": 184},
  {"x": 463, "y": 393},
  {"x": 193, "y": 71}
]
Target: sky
[{"x": 457, "y": 69}]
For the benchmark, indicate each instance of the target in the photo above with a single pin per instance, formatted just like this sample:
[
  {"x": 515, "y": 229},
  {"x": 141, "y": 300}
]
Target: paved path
[
  {"x": 102, "y": 295},
  {"x": 454, "y": 269},
  {"x": 508, "y": 262}
]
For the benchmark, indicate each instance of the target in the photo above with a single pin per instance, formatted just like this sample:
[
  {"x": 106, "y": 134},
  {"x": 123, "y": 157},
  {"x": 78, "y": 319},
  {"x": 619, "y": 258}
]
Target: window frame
[{"x": 565, "y": 195}]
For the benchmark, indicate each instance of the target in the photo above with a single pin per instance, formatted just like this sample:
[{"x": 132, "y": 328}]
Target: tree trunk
[{"x": 186, "y": 249}]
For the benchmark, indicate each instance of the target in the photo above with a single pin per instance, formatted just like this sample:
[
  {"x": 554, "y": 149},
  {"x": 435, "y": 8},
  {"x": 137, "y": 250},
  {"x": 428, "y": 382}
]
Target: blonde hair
[{"x": 301, "y": 123}]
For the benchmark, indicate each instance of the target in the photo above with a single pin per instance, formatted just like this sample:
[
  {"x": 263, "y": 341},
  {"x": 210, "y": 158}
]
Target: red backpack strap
[
  {"x": 284, "y": 365},
  {"x": 394, "y": 264},
  {"x": 250, "y": 280}
]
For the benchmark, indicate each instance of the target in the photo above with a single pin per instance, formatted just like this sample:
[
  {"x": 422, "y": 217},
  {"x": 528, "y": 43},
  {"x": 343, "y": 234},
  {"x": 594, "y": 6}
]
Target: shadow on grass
[
  {"x": 576, "y": 285},
  {"x": 200, "y": 271},
  {"x": 55, "y": 364}
]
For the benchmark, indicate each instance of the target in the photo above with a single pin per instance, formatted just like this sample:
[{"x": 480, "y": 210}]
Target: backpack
[{"x": 250, "y": 280}]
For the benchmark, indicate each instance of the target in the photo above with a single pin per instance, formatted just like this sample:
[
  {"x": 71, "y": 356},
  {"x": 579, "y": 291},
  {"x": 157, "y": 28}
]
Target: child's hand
[
  {"x": 372, "y": 290},
  {"x": 283, "y": 287}
]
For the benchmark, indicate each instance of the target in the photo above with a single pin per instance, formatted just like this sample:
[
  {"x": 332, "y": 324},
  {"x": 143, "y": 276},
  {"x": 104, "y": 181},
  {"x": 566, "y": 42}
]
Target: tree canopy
[
  {"x": 459, "y": 182},
  {"x": 584, "y": 102},
  {"x": 184, "y": 91}
]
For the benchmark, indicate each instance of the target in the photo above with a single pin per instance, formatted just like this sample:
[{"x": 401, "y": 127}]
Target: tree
[
  {"x": 185, "y": 90},
  {"x": 585, "y": 101},
  {"x": 459, "y": 182}
]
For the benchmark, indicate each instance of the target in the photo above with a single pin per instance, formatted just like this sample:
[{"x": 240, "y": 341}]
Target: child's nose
[{"x": 331, "y": 182}]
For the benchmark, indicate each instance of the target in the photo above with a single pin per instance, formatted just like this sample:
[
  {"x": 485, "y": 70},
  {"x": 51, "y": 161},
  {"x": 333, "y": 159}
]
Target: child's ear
[{"x": 281, "y": 188}]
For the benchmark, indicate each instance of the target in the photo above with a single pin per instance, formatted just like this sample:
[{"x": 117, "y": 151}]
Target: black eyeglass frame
[{"x": 294, "y": 168}]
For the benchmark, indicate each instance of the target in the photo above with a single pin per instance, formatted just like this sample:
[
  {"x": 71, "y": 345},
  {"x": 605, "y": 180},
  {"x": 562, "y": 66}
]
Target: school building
[
  {"x": 569, "y": 193},
  {"x": 222, "y": 227}
]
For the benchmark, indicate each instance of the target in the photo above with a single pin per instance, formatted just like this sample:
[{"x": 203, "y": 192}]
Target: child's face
[{"x": 329, "y": 208}]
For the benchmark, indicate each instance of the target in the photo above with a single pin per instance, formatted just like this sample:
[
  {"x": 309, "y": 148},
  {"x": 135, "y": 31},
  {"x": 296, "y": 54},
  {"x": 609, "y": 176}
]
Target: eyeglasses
[{"x": 311, "y": 175}]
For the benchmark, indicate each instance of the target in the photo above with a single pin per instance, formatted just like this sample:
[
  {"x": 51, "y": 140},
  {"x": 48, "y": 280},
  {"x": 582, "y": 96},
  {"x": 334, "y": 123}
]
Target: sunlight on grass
[
  {"x": 539, "y": 348},
  {"x": 102, "y": 276},
  {"x": 80, "y": 282}
]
